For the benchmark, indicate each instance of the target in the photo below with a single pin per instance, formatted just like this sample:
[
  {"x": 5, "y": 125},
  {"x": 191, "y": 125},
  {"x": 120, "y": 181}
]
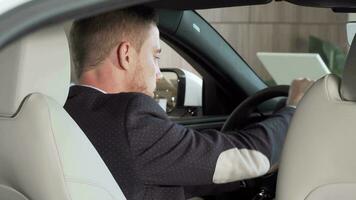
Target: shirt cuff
[{"x": 292, "y": 106}]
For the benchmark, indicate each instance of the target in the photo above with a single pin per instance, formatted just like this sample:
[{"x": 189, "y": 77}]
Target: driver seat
[
  {"x": 44, "y": 155},
  {"x": 318, "y": 159}
]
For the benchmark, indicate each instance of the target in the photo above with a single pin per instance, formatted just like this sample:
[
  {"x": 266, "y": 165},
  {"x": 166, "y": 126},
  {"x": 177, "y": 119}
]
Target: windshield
[
  {"x": 281, "y": 41},
  {"x": 6, "y": 5}
]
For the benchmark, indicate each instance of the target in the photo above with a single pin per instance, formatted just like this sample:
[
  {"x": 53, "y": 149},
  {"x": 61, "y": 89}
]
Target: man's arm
[{"x": 169, "y": 154}]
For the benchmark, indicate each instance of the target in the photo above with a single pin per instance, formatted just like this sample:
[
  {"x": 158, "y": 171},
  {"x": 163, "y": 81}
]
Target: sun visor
[{"x": 325, "y": 3}]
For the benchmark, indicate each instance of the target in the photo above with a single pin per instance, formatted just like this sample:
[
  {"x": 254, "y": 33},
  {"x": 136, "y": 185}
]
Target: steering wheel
[{"x": 239, "y": 117}]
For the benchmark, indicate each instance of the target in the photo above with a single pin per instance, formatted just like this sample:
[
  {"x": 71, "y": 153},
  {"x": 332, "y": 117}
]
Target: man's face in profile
[{"x": 147, "y": 70}]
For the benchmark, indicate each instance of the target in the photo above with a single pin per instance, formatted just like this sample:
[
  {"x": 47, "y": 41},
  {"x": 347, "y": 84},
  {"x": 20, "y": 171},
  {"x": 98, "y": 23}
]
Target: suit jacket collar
[{"x": 75, "y": 90}]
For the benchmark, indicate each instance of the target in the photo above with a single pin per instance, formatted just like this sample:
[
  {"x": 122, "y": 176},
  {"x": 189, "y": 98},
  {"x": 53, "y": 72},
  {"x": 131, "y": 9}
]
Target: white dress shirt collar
[{"x": 90, "y": 86}]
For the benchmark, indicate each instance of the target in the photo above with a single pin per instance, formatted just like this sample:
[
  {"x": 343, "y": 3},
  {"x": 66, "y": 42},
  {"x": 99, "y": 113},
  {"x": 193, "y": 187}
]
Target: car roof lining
[
  {"x": 206, "y": 4},
  {"x": 34, "y": 15},
  {"x": 325, "y": 3},
  {"x": 203, "y": 4}
]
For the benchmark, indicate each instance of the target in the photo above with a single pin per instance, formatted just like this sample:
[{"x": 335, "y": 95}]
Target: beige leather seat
[
  {"x": 319, "y": 156},
  {"x": 43, "y": 153}
]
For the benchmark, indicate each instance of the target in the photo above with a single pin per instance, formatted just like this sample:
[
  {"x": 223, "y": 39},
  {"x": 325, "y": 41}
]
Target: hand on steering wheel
[{"x": 238, "y": 119}]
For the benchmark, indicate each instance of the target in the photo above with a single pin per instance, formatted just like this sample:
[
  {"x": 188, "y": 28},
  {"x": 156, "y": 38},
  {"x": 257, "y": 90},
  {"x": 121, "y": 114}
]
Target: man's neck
[
  {"x": 107, "y": 85},
  {"x": 101, "y": 78}
]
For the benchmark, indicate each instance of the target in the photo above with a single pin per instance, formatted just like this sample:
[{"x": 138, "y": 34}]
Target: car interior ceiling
[
  {"x": 18, "y": 22},
  {"x": 204, "y": 4}
]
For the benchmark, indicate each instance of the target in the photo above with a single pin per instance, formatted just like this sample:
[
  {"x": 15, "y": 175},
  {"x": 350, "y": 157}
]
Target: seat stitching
[{"x": 85, "y": 182}]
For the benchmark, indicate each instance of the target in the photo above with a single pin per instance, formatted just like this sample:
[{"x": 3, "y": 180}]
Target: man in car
[{"x": 116, "y": 60}]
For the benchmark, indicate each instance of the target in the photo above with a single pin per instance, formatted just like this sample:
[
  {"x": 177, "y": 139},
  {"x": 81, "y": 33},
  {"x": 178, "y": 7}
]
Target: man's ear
[{"x": 124, "y": 55}]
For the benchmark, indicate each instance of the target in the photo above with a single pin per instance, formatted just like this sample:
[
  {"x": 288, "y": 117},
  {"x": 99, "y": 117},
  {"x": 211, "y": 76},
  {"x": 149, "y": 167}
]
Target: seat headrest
[
  {"x": 348, "y": 83},
  {"x": 38, "y": 63}
]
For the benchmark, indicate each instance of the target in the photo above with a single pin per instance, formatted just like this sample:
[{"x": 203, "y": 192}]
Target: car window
[
  {"x": 283, "y": 28},
  {"x": 180, "y": 90}
]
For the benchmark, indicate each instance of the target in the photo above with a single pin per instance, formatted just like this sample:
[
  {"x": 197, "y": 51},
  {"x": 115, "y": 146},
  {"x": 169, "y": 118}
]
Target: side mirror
[
  {"x": 351, "y": 31},
  {"x": 179, "y": 92}
]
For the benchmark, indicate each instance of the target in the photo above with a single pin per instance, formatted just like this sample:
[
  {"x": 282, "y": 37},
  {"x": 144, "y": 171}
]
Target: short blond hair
[{"x": 92, "y": 39}]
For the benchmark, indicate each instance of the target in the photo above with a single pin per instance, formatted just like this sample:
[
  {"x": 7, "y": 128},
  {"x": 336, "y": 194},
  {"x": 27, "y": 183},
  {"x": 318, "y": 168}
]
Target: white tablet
[{"x": 284, "y": 67}]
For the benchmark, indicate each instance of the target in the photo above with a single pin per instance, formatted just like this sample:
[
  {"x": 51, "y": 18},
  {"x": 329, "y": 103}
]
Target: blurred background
[{"x": 276, "y": 27}]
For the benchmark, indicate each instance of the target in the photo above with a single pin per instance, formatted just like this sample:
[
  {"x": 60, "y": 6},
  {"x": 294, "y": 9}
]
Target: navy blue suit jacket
[{"x": 152, "y": 157}]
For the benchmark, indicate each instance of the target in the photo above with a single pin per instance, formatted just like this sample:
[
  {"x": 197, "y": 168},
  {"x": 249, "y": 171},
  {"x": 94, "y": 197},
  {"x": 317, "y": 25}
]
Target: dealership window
[{"x": 296, "y": 30}]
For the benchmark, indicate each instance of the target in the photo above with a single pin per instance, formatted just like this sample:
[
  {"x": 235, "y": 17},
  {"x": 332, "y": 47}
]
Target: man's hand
[{"x": 297, "y": 90}]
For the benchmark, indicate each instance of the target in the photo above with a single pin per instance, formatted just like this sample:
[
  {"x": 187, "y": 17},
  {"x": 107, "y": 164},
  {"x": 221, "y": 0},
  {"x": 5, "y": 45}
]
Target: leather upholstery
[
  {"x": 34, "y": 64},
  {"x": 43, "y": 153},
  {"x": 319, "y": 152},
  {"x": 318, "y": 159}
]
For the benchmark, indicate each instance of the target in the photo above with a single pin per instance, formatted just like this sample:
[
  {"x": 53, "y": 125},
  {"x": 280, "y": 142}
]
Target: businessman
[{"x": 116, "y": 58}]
